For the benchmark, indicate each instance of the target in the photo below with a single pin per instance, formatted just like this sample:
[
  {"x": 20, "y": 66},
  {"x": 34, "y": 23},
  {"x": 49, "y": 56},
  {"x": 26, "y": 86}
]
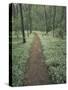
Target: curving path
[{"x": 36, "y": 72}]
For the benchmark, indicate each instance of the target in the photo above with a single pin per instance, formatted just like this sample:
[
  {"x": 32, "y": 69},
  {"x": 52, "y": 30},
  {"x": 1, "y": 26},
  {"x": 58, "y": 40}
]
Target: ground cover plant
[
  {"x": 54, "y": 50},
  {"x": 20, "y": 54}
]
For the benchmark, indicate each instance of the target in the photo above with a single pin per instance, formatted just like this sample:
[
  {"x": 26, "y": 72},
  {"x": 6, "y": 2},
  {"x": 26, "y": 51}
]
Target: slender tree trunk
[
  {"x": 50, "y": 18},
  {"x": 14, "y": 14},
  {"x": 65, "y": 19},
  {"x": 17, "y": 12},
  {"x": 62, "y": 14},
  {"x": 54, "y": 15},
  {"x": 45, "y": 19},
  {"x": 13, "y": 11},
  {"x": 17, "y": 9},
  {"x": 22, "y": 24},
  {"x": 30, "y": 19},
  {"x": 62, "y": 26}
]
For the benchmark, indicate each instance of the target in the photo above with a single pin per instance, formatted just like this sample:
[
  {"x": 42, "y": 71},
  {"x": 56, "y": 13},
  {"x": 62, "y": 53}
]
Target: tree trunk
[
  {"x": 22, "y": 24},
  {"x": 45, "y": 19},
  {"x": 54, "y": 15},
  {"x": 63, "y": 26},
  {"x": 13, "y": 11},
  {"x": 30, "y": 19},
  {"x": 17, "y": 9}
]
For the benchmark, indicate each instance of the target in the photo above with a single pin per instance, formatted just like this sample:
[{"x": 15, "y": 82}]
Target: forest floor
[{"x": 36, "y": 70}]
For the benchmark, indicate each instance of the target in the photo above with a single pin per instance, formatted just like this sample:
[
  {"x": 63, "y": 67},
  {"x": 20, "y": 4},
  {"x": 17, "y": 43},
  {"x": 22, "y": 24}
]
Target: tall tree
[
  {"x": 26, "y": 10},
  {"x": 45, "y": 14},
  {"x": 54, "y": 15},
  {"x": 22, "y": 23},
  {"x": 15, "y": 19},
  {"x": 63, "y": 29},
  {"x": 50, "y": 18},
  {"x": 17, "y": 9},
  {"x": 13, "y": 10},
  {"x": 30, "y": 18}
]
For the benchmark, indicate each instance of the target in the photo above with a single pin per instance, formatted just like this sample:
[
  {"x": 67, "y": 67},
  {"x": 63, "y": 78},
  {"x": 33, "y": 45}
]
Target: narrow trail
[{"x": 36, "y": 73}]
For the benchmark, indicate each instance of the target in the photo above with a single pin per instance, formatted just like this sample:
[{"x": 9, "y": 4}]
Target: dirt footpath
[{"x": 36, "y": 72}]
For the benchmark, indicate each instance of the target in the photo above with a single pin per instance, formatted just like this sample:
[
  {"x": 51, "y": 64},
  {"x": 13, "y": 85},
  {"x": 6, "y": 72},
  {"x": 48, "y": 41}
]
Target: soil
[{"x": 36, "y": 72}]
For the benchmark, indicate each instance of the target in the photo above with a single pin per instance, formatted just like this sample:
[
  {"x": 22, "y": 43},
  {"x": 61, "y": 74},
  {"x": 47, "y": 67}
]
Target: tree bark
[
  {"x": 30, "y": 19},
  {"x": 45, "y": 19},
  {"x": 22, "y": 24},
  {"x": 54, "y": 15}
]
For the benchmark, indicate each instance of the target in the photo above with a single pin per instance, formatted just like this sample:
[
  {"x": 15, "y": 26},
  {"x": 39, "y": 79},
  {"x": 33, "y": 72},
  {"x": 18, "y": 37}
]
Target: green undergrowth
[
  {"x": 54, "y": 50},
  {"x": 20, "y": 54}
]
